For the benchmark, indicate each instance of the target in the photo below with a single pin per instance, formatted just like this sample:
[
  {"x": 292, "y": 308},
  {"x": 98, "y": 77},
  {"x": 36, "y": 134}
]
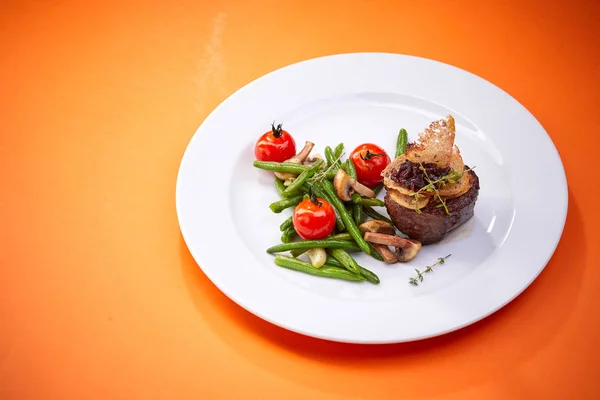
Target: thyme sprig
[
  {"x": 429, "y": 268},
  {"x": 434, "y": 185},
  {"x": 319, "y": 176}
]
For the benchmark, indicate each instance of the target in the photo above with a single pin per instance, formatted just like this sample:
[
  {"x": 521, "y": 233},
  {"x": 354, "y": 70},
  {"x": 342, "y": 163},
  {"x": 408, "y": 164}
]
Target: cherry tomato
[
  {"x": 369, "y": 160},
  {"x": 276, "y": 145},
  {"x": 314, "y": 218}
]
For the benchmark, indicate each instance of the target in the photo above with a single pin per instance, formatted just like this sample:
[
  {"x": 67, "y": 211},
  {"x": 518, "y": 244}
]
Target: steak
[{"x": 433, "y": 224}]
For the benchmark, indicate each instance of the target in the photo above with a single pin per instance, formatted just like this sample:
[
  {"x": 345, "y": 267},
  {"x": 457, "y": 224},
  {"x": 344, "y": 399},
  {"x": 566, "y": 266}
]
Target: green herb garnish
[
  {"x": 429, "y": 268},
  {"x": 318, "y": 177},
  {"x": 433, "y": 185}
]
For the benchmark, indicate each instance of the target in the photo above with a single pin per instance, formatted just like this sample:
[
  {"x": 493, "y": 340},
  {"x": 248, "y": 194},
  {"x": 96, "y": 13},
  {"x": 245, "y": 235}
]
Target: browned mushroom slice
[
  {"x": 342, "y": 185},
  {"x": 380, "y": 227},
  {"x": 406, "y": 249},
  {"x": 388, "y": 256},
  {"x": 362, "y": 189},
  {"x": 345, "y": 186},
  {"x": 310, "y": 161},
  {"x": 297, "y": 159},
  {"x": 377, "y": 226},
  {"x": 404, "y": 254}
]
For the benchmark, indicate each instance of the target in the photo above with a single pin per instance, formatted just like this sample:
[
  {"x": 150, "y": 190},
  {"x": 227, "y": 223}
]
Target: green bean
[
  {"x": 401, "y": 142},
  {"x": 348, "y": 222},
  {"x": 311, "y": 244},
  {"x": 378, "y": 188},
  {"x": 329, "y": 156},
  {"x": 371, "y": 277},
  {"x": 288, "y": 235},
  {"x": 342, "y": 236},
  {"x": 300, "y": 190},
  {"x": 333, "y": 262},
  {"x": 279, "y": 186},
  {"x": 368, "y": 202},
  {"x": 299, "y": 181},
  {"x": 331, "y": 174},
  {"x": 292, "y": 168},
  {"x": 346, "y": 260},
  {"x": 350, "y": 170},
  {"x": 345, "y": 167},
  {"x": 349, "y": 209},
  {"x": 375, "y": 254},
  {"x": 353, "y": 248},
  {"x": 286, "y": 224},
  {"x": 347, "y": 236},
  {"x": 281, "y": 205},
  {"x": 317, "y": 191},
  {"x": 339, "y": 236},
  {"x": 339, "y": 149},
  {"x": 298, "y": 252},
  {"x": 375, "y": 215},
  {"x": 357, "y": 214},
  {"x": 325, "y": 271},
  {"x": 331, "y": 271}
]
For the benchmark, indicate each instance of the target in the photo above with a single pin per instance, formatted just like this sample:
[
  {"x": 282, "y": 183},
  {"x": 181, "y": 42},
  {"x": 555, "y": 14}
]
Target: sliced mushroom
[
  {"x": 406, "y": 249},
  {"x": 380, "y": 227},
  {"x": 377, "y": 226},
  {"x": 404, "y": 254},
  {"x": 345, "y": 186},
  {"x": 310, "y": 161},
  {"x": 297, "y": 159},
  {"x": 341, "y": 182},
  {"x": 388, "y": 256}
]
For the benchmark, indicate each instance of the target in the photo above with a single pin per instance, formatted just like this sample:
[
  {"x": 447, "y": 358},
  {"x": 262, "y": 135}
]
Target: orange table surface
[{"x": 99, "y": 296}]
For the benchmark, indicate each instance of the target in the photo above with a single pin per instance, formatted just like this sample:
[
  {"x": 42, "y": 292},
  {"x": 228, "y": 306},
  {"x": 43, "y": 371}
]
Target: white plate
[{"x": 222, "y": 200}]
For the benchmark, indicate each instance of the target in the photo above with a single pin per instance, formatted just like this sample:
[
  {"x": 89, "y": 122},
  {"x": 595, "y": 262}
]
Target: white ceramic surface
[{"x": 222, "y": 200}]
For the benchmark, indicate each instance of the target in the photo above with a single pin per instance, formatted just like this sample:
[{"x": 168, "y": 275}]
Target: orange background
[{"x": 99, "y": 297}]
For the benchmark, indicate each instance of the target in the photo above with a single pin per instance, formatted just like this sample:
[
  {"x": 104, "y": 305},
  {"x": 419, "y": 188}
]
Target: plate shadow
[{"x": 512, "y": 335}]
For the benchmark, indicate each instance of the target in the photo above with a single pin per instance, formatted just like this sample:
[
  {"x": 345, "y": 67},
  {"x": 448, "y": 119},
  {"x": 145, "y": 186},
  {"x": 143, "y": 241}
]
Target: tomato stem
[
  {"x": 369, "y": 155},
  {"x": 277, "y": 131},
  {"x": 314, "y": 200}
]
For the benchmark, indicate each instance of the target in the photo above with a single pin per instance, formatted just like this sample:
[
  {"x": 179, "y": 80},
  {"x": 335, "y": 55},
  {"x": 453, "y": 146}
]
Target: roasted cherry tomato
[
  {"x": 314, "y": 218},
  {"x": 369, "y": 160},
  {"x": 276, "y": 145}
]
